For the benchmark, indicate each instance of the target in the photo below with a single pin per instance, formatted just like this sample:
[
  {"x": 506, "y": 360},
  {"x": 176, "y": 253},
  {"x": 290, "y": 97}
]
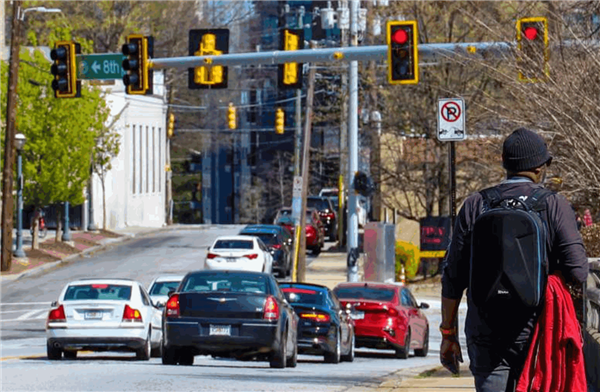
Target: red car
[
  {"x": 315, "y": 230},
  {"x": 386, "y": 316}
]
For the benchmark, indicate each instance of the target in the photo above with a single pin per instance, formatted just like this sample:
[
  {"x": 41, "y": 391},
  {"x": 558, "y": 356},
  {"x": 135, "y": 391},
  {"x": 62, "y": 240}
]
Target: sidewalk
[{"x": 329, "y": 269}]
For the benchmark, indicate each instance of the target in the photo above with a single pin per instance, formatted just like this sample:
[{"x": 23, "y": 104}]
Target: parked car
[
  {"x": 325, "y": 328},
  {"x": 279, "y": 245},
  {"x": 315, "y": 231},
  {"x": 234, "y": 314},
  {"x": 161, "y": 286},
  {"x": 103, "y": 315},
  {"x": 386, "y": 316},
  {"x": 327, "y": 213},
  {"x": 240, "y": 253}
]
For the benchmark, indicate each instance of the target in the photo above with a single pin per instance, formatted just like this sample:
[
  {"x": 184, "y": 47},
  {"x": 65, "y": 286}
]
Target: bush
[
  {"x": 591, "y": 239},
  {"x": 407, "y": 254}
]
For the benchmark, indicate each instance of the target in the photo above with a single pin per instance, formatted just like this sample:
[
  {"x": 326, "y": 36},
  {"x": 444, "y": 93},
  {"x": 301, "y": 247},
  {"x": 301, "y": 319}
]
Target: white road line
[
  {"x": 17, "y": 311},
  {"x": 25, "y": 303},
  {"x": 27, "y": 315}
]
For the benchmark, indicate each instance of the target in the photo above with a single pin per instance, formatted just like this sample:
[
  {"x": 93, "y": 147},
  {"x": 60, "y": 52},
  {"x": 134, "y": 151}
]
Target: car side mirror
[
  {"x": 171, "y": 292},
  {"x": 423, "y": 305},
  {"x": 54, "y": 304}
]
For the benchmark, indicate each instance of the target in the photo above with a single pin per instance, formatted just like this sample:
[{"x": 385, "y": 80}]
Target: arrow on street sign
[{"x": 100, "y": 66}]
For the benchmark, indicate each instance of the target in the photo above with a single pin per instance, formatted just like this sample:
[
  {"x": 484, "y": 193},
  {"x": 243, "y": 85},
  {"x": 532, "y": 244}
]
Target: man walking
[{"x": 499, "y": 326}]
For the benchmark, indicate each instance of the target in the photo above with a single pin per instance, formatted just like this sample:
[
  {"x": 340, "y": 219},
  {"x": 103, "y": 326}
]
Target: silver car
[
  {"x": 104, "y": 315},
  {"x": 161, "y": 286}
]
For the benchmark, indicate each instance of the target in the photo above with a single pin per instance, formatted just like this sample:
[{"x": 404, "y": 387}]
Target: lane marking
[
  {"x": 25, "y": 303},
  {"x": 28, "y": 314}
]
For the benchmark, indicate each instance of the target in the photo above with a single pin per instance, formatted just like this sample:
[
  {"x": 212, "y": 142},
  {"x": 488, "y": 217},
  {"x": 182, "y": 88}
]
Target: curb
[{"x": 104, "y": 243}]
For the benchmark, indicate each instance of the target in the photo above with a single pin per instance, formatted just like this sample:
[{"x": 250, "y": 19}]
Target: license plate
[
  {"x": 220, "y": 330},
  {"x": 93, "y": 315},
  {"x": 357, "y": 315},
  {"x": 231, "y": 259}
]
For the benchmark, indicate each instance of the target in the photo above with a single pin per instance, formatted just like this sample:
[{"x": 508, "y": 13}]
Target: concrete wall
[{"x": 135, "y": 187}]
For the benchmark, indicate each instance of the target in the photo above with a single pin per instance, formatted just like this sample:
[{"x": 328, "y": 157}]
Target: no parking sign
[{"x": 451, "y": 119}]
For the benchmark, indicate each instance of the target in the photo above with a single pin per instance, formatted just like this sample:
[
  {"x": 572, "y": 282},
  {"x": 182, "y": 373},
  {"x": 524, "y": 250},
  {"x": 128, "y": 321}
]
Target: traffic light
[
  {"x": 64, "y": 69},
  {"x": 532, "y": 49},
  {"x": 171, "y": 126},
  {"x": 279, "y": 121},
  {"x": 231, "y": 120},
  {"x": 207, "y": 42},
  {"x": 289, "y": 75},
  {"x": 403, "y": 52},
  {"x": 139, "y": 50}
]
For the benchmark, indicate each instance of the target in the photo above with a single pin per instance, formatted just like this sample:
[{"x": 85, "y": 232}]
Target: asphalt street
[{"x": 25, "y": 304}]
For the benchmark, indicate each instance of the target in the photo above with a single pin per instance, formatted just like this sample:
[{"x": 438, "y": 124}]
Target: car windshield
[
  {"x": 233, "y": 244},
  {"x": 225, "y": 282},
  {"x": 163, "y": 288},
  {"x": 296, "y": 295},
  {"x": 267, "y": 238},
  {"x": 369, "y": 293},
  {"x": 319, "y": 204},
  {"x": 98, "y": 291}
]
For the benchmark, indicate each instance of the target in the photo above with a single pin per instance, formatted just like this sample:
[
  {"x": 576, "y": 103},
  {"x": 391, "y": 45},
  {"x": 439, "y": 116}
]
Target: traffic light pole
[{"x": 9, "y": 141}]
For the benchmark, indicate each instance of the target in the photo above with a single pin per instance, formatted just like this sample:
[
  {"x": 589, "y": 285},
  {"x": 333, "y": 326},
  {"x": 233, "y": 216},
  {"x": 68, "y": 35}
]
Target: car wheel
[
  {"x": 170, "y": 355},
  {"x": 70, "y": 354},
  {"x": 186, "y": 358},
  {"x": 277, "y": 359},
  {"x": 54, "y": 353},
  {"x": 335, "y": 356},
  {"x": 293, "y": 360},
  {"x": 143, "y": 353},
  {"x": 402, "y": 352},
  {"x": 422, "y": 352},
  {"x": 350, "y": 356}
]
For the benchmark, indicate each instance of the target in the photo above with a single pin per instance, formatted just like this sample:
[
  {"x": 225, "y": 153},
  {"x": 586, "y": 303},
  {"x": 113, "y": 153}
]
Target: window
[
  {"x": 229, "y": 282},
  {"x": 153, "y": 162},
  {"x": 408, "y": 300},
  {"x": 133, "y": 155},
  {"x": 297, "y": 295},
  {"x": 369, "y": 293},
  {"x": 163, "y": 288},
  {"x": 148, "y": 159},
  {"x": 233, "y": 244},
  {"x": 160, "y": 164},
  {"x": 110, "y": 292}
]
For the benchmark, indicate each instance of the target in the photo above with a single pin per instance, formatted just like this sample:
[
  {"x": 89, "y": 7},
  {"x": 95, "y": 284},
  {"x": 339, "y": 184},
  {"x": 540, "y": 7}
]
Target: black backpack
[{"x": 508, "y": 249}]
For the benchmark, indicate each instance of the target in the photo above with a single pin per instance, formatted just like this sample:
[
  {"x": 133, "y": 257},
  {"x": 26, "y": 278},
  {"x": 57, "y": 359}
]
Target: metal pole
[
  {"x": 352, "y": 245},
  {"x": 66, "y": 235},
  {"x": 452, "y": 183},
  {"x": 19, "y": 253},
  {"x": 92, "y": 224},
  {"x": 342, "y": 181},
  {"x": 9, "y": 141},
  {"x": 298, "y": 135},
  {"x": 376, "y": 165}
]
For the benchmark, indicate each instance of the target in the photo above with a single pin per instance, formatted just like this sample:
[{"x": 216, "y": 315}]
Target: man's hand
[{"x": 450, "y": 353}]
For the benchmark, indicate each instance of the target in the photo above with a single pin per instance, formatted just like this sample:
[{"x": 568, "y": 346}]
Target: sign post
[{"x": 100, "y": 66}]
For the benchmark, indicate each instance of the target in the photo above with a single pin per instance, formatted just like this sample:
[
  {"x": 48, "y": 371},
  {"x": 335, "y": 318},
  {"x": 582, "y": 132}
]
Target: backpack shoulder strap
[
  {"x": 491, "y": 197},
  {"x": 537, "y": 201}
]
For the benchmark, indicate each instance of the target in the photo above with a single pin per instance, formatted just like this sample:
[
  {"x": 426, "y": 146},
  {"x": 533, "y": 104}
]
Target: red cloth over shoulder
[{"x": 555, "y": 359}]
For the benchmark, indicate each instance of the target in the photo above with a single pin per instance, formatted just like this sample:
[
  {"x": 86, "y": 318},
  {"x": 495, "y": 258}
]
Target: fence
[{"x": 591, "y": 346}]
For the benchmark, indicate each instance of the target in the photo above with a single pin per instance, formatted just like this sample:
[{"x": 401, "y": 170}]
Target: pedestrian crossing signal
[{"x": 208, "y": 42}]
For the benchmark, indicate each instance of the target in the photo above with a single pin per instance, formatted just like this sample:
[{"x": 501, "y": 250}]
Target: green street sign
[{"x": 100, "y": 66}]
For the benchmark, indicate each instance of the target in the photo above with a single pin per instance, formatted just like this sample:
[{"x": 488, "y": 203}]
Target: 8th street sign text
[{"x": 100, "y": 66}]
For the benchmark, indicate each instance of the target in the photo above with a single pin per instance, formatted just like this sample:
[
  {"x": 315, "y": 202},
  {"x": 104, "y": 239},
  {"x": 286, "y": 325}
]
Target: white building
[{"x": 136, "y": 184}]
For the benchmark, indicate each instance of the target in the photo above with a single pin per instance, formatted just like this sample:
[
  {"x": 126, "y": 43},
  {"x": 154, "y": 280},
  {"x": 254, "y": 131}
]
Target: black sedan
[
  {"x": 325, "y": 328},
  {"x": 234, "y": 314},
  {"x": 279, "y": 243}
]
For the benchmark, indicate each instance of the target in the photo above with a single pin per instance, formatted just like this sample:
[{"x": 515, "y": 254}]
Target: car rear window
[
  {"x": 163, "y": 288},
  {"x": 296, "y": 295},
  {"x": 225, "y": 282},
  {"x": 369, "y": 293},
  {"x": 319, "y": 204},
  {"x": 233, "y": 244},
  {"x": 109, "y": 292}
]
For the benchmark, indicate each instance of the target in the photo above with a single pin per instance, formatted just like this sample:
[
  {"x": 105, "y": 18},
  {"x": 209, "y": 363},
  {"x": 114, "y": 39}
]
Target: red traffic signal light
[
  {"x": 532, "y": 49},
  {"x": 400, "y": 37},
  {"x": 403, "y": 53},
  {"x": 530, "y": 33}
]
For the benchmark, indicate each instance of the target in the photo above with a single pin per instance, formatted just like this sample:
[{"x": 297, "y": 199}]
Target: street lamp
[
  {"x": 37, "y": 9},
  {"x": 20, "y": 140}
]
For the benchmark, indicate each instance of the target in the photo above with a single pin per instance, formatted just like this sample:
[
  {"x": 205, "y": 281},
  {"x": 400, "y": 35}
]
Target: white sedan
[
  {"x": 103, "y": 315},
  {"x": 240, "y": 253},
  {"x": 161, "y": 286}
]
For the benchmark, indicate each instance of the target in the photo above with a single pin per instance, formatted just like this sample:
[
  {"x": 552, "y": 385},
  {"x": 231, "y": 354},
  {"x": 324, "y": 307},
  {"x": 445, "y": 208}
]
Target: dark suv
[
  {"x": 327, "y": 213},
  {"x": 279, "y": 241}
]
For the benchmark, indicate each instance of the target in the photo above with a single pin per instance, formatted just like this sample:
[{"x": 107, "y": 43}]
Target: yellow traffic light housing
[
  {"x": 171, "y": 126},
  {"x": 279, "y": 121},
  {"x": 532, "y": 49},
  {"x": 289, "y": 75},
  {"x": 403, "y": 52},
  {"x": 208, "y": 42},
  {"x": 139, "y": 50},
  {"x": 64, "y": 69},
  {"x": 231, "y": 117}
]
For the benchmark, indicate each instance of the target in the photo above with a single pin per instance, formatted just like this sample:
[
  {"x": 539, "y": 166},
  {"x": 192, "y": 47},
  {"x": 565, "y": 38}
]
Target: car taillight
[
  {"x": 252, "y": 256},
  {"x": 393, "y": 312},
  {"x": 130, "y": 314},
  {"x": 173, "y": 306},
  {"x": 317, "y": 317},
  {"x": 57, "y": 315},
  {"x": 310, "y": 231},
  {"x": 211, "y": 255},
  {"x": 276, "y": 246},
  {"x": 271, "y": 311}
]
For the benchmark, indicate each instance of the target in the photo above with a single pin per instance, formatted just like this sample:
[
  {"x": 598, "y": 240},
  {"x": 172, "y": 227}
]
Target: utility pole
[
  {"x": 301, "y": 277},
  {"x": 9, "y": 141},
  {"x": 168, "y": 169},
  {"x": 352, "y": 245},
  {"x": 298, "y": 134},
  {"x": 342, "y": 186}
]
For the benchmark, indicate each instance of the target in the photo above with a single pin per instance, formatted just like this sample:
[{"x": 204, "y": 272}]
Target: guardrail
[{"x": 591, "y": 344}]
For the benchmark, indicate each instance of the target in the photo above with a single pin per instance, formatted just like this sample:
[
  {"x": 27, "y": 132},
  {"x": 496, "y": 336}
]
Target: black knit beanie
[{"x": 523, "y": 150}]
